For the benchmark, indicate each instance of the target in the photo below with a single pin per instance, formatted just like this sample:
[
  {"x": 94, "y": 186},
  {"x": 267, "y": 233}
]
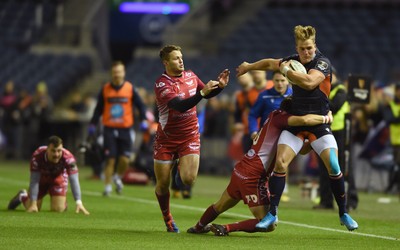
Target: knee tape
[{"x": 334, "y": 162}]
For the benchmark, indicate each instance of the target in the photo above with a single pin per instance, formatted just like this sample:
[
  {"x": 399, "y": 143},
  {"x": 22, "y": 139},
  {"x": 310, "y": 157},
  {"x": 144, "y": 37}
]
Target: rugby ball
[{"x": 297, "y": 66}]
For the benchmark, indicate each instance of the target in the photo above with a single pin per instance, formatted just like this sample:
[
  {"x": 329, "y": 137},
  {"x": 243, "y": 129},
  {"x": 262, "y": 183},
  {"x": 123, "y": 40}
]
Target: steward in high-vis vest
[
  {"x": 339, "y": 106},
  {"x": 116, "y": 104},
  {"x": 392, "y": 118}
]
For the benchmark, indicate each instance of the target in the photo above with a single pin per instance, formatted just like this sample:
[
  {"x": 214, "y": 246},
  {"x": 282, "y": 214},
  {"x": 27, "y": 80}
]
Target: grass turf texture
[{"x": 133, "y": 220}]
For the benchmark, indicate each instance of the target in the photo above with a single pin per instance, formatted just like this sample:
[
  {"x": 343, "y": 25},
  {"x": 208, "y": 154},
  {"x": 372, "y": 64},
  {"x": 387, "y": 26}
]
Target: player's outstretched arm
[
  {"x": 76, "y": 191},
  {"x": 310, "y": 120},
  {"x": 264, "y": 64}
]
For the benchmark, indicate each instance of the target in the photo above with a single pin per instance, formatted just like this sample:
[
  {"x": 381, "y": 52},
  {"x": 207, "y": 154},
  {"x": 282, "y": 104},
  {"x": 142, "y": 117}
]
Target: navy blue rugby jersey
[{"x": 314, "y": 101}]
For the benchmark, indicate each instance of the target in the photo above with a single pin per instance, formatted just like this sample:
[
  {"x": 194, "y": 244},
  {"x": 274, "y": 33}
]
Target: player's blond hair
[
  {"x": 164, "y": 52},
  {"x": 117, "y": 63},
  {"x": 302, "y": 33}
]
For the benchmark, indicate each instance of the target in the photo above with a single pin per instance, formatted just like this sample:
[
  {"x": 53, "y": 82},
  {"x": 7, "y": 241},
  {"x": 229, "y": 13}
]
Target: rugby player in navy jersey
[
  {"x": 250, "y": 175},
  {"x": 310, "y": 96}
]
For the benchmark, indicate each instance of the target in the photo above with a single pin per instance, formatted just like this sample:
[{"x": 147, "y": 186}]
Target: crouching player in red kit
[
  {"x": 250, "y": 175},
  {"x": 51, "y": 166}
]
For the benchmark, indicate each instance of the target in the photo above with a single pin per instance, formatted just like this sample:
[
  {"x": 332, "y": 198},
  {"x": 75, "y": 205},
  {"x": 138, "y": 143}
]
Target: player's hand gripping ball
[{"x": 296, "y": 66}]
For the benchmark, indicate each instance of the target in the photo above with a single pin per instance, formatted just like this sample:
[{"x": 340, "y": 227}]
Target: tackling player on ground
[
  {"x": 250, "y": 176},
  {"x": 51, "y": 167}
]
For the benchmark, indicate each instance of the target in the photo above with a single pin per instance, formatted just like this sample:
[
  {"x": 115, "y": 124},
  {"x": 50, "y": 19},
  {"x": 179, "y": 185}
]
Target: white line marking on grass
[{"x": 154, "y": 202}]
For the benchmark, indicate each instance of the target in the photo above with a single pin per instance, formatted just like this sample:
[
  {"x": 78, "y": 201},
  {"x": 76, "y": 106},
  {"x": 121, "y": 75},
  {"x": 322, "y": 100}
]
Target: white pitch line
[{"x": 154, "y": 202}]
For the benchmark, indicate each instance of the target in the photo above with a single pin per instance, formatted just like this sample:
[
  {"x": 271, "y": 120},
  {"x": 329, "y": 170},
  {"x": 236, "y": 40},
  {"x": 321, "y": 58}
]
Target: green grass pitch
[{"x": 133, "y": 220}]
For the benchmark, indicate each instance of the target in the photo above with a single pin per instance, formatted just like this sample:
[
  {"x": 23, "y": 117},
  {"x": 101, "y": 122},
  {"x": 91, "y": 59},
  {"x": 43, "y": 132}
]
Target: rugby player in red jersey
[
  {"x": 177, "y": 93},
  {"x": 51, "y": 166},
  {"x": 250, "y": 175}
]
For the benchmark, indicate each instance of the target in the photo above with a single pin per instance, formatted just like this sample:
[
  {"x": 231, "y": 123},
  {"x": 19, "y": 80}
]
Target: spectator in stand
[
  {"x": 42, "y": 109},
  {"x": 11, "y": 119}
]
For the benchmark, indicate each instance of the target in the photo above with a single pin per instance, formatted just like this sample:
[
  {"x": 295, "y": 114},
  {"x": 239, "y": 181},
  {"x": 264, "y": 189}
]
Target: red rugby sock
[
  {"x": 163, "y": 201},
  {"x": 208, "y": 216},
  {"x": 245, "y": 226}
]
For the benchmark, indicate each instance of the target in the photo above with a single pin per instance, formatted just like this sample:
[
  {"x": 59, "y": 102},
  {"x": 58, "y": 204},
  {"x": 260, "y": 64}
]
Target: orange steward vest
[{"x": 118, "y": 111}]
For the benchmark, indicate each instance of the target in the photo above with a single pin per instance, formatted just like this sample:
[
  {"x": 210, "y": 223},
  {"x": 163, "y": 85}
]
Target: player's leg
[
  {"x": 188, "y": 168},
  {"x": 224, "y": 203},
  {"x": 326, "y": 148},
  {"x": 20, "y": 197},
  {"x": 277, "y": 181},
  {"x": 108, "y": 174},
  {"x": 58, "y": 203},
  {"x": 248, "y": 226},
  {"x": 289, "y": 146},
  {"x": 189, "y": 158},
  {"x": 58, "y": 193},
  {"x": 110, "y": 149},
  {"x": 176, "y": 189},
  {"x": 125, "y": 140},
  {"x": 162, "y": 170},
  {"x": 253, "y": 191},
  {"x": 122, "y": 166}
]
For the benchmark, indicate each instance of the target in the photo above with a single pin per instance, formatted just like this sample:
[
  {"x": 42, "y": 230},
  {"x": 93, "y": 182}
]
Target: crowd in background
[{"x": 27, "y": 120}]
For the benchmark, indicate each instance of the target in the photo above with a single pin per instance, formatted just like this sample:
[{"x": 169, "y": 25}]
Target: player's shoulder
[
  {"x": 321, "y": 62},
  {"x": 163, "y": 80},
  {"x": 279, "y": 113},
  {"x": 68, "y": 156},
  {"x": 128, "y": 83},
  {"x": 39, "y": 150},
  {"x": 269, "y": 91}
]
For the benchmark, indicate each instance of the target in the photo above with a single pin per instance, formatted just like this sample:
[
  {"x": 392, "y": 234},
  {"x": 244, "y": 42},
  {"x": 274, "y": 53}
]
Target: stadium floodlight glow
[{"x": 154, "y": 8}]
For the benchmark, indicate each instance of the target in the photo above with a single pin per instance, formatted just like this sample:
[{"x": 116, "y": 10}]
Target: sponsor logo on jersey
[
  {"x": 189, "y": 82},
  {"x": 165, "y": 92},
  {"x": 160, "y": 84},
  {"x": 322, "y": 65},
  {"x": 188, "y": 74},
  {"x": 251, "y": 153},
  {"x": 192, "y": 92}
]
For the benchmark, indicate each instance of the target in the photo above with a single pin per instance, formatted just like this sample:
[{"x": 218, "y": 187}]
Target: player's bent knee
[
  {"x": 334, "y": 162},
  {"x": 189, "y": 180},
  {"x": 281, "y": 165},
  {"x": 162, "y": 185},
  {"x": 58, "y": 209}
]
